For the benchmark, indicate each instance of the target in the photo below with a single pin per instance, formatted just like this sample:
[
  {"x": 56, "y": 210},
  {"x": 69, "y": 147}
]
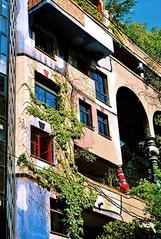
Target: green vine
[
  {"x": 70, "y": 188},
  {"x": 91, "y": 9},
  {"x": 64, "y": 178},
  {"x": 84, "y": 153}
]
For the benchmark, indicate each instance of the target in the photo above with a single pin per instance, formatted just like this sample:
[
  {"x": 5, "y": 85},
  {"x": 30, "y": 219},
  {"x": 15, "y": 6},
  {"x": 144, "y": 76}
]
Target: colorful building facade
[{"x": 59, "y": 39}]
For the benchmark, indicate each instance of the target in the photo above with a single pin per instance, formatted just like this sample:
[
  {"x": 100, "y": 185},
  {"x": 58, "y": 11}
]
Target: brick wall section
[
  {"x": 67, "y": 5},
  {"x": 72, "y": 9},
  {"x": 32, "y": 3}
]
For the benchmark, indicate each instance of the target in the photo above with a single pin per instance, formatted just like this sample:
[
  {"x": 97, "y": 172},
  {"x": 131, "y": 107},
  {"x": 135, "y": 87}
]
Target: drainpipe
[
  {"x": 152, "y": 154},
  {"x": 124, "y": 186}
]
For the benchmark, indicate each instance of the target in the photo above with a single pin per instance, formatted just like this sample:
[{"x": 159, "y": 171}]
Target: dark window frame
[
  {"x": 101, "y": 86},
  {"x": 57, "y": 209},
  {"x": 40, "y": 149},
  {"x": 45, "y": 43},
  {"x": 3, "y": 84},
  {"x": 85, "y": 114},
  {"x": 50, "y": 88},
  {"x": 103, "y": 124}
]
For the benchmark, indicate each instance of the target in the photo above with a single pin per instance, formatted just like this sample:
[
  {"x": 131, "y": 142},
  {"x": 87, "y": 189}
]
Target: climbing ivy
[
  {"x": 70, "y": 187},
  {"x": 148, "y": 227},
  {"x": 91, "y": 9},
  {"x": 151, "y": 193},
  {"x": 64, "y": 178},
  {"x": 132, "y": 230}
]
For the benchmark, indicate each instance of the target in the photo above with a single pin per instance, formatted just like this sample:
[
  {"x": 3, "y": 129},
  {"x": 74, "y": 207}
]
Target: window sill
[
  {"x": 44, "y": 161},
  {"x": 105, "y": 136},
  {"x": 106, "y": 103},
  {"x": 59, "y": 234},
  {"x": 89, "y": 127}
]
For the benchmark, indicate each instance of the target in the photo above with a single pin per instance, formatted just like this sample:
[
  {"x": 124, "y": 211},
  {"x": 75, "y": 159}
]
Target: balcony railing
[{"x": 72, "y": 5}]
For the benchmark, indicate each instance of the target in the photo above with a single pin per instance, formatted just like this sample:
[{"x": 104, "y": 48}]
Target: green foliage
[
  {"x": 119, "y": 9},
  {"x": 151, "y": 78},
  {"x": 64, "y": 122},
  {"x": 64, "y": 179},
  {"x": 132, "y": 230},
  {"x": 85, "y": 154},
  {"x": 149, "y": 41},
  {"x": 139, "y": 228},
  {"x": 110, "y": 178},
  {"x": 71, "y": 188},
  {"x": 152, "y": 195},
  {"x": 91, "y": 9}
]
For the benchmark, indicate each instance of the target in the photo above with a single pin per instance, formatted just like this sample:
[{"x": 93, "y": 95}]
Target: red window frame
[{"x": 41, "y": 145}]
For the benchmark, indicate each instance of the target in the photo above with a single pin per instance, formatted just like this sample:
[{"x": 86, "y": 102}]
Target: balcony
[
  {"x": 75, "y": 26},
  {"x": 115, "y": 205},
  {"x": 135, "y": 166}
]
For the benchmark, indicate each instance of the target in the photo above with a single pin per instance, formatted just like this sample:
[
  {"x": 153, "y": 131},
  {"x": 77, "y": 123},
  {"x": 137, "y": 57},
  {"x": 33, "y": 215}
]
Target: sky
[{"x": 147, "y": 11}]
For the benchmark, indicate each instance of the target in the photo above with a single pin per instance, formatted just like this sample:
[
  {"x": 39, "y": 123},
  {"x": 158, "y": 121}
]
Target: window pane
[
  {"x": 3, "y": 64},
  {"x": 51, "y": 100},
  {"x": 41, "y": 144},
  {"x": 2, "y": 84},
  {"x": 58, "y": 223},
  {"x": 3, "y": 45},
  {"x": 2, "y": 105},
  {"x": 47, "y": 97},
  {"x": 34, "y": 142},
  {"x": 2, "y": 152},
  {"x": 57, "y": 217},
  {"x": 103, "y": 124},
  {"x": 1, "y": 180},
  {"x": 44, "y": 42},
  {"x": 40, "y": 94},
  {"x": 85, "y": 113},
  {"x": 2, "y": 130},
  {"x": 3, "y": 25},
  {"x": 101, "y": 87},
  {"x": 5, "y": 8}
]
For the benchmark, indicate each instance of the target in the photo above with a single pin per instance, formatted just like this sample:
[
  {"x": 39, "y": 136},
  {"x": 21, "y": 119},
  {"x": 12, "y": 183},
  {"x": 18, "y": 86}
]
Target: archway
[{"x": 133, "y": 129}]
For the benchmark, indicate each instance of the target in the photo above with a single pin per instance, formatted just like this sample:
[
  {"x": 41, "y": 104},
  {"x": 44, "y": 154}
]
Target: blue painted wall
[{"x": 32, "y": 209}]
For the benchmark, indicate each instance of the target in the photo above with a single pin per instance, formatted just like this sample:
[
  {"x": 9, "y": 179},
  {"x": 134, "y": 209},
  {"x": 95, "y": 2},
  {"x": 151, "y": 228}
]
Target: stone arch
[{"x": 133, "y": 129}]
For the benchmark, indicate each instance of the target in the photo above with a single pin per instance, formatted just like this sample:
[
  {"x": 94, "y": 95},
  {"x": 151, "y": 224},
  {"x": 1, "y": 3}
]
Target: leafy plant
[
  {"x": 64, "y": 178},
  {"x": 149, "y": 41},
  {"x": 70, "y": 187},
  {"x": 91, "y": 9},
  {"x": 119, "y": 9},
  {"x": 86, "y": 154},
  {"x": 132, "y": 230},
  {"x": 152, "y": 195}
]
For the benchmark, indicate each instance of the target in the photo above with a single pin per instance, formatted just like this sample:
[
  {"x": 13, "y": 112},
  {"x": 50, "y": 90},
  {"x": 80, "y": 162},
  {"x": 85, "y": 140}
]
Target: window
[
  {"x": 101, "y": 87},
  {"x": 2, "y": 83},
  {"x": 3, "y": 106},
  {"x": 41, "y": 145},
  {"x": 85, "y": 113},
  {"x": 45, "y": 42},
  {"x": 2, "y": 152},
  {"x": 2, "y": 129},
  {"x": 3, "y": 64},
  {"x": 4, "y": 24},
  {"x": 57, "y": 217},
  {"x": 103, "y": 127},
  {"x": 45, "y": 94}
]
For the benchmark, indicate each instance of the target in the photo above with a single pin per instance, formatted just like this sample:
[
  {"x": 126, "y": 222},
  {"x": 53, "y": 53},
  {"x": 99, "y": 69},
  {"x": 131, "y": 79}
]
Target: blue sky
[{"x": 147, "y": 11}]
